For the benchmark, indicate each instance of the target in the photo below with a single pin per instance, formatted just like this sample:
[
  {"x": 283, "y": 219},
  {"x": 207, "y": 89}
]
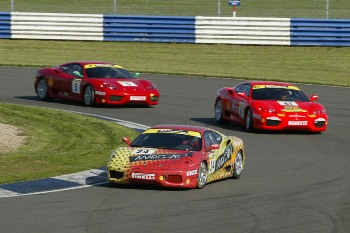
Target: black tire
[
  {"x": 237, "y": 165},
  {"x": 249, "y": 124},
  {"x": 219, "y": 111},
  {"x": 42, "y": 90},
  {"x": 89, "y": 96},
  {"x": 202, "y": 175}
]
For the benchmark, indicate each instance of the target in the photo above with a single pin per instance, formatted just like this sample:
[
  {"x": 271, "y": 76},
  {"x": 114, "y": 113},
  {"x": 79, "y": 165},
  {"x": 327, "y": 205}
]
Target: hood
[
  {"x": 128, "y": 84},
  {"x": 151, "y": 158},
  {"x": 289, "y": 106}
]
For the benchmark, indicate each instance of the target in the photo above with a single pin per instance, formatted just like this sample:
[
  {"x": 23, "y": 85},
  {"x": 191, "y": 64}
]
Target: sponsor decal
[
  {"x": 143, "y": 176},
  {"x": 184, "y": 132},
  {"x": 275, "y": 86},
  {"x": 100, "y": 93},
  {"x": 87, "y": 66},
  {"x": 221, "y": 160},
  {"x": 127, "y": 84},
  {"x": 144, "y": 157},
  {"x": 76, "y": 85},
  {"x": 297, "y": 122},
  {"x": 296, "y": 115},
  {"x": 293, "y": 109},
  {"x": 50, "y": 82},
  {"x": 191, "y": 173},
  {"x": 137, "y": 98}
]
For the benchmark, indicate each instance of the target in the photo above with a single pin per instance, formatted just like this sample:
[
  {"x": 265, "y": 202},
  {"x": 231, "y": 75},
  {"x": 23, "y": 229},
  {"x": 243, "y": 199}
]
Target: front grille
[
  {"x": 319, "y": 123},
  {"x": 174, "y": 179},
  {"x": 116, "y": 175},
  {"x": 272, "y": 122},
  {"x": 116, "y": 97}
]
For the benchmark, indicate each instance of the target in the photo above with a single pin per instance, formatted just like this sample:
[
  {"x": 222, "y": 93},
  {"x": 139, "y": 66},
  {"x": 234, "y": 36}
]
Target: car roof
[
  {"x": 270, "y": 83},
  {"x": 182, "y": 127}
]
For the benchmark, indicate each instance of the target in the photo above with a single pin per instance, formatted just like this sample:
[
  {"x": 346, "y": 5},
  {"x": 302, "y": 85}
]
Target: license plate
[
  {"x": 137, "y": 98},
  {"x": 297, "y": 122}
]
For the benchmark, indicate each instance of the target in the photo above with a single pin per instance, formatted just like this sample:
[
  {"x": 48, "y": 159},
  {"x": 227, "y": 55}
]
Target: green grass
[
  {"x": 57, "y": 143},
  {"x": 248, "y": 8},
  {"x": 314, "y": 65}
]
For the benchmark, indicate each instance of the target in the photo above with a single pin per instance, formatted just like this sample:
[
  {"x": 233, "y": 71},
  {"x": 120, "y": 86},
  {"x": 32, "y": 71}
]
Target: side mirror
[
  {"x": 213, "y": 147},
  {"x": 126, "y": 140},
  {"x": 242, "y": 94},
  {"x": 137, "y": 74},
  {"x": 313, "y": 98}
]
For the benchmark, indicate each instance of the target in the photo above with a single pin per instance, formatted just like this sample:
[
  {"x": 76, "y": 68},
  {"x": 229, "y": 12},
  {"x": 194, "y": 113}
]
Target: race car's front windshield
[
  {"x": 108, "y": 72},
  {"x": 279, "y": 94},
  {"x": 170, "y": 141}
]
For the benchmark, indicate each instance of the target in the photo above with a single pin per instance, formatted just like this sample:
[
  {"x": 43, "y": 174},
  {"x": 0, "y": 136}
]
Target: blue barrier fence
[
  {"x": 149, "y": 28},
  {"x": 320, "y": 32},
  {"x": 5, "y": 25},
  {"x": 175, "y": 29}
]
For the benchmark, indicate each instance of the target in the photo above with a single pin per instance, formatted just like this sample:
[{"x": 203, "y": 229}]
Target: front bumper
[
  {"x": 121, "y": 98},
  {"x": 165, "y": 178},
  {"x": 310, "y": 123}
]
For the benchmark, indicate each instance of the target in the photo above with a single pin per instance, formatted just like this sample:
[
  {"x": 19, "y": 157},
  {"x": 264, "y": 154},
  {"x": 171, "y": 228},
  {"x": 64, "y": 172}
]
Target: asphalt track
[{"x": 292, "y": 182}]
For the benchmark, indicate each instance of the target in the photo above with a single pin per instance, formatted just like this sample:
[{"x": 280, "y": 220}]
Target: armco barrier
[
  {"x": 149, "y": 28},
  {"x": 176, "y": 29},
  {"x": 243, "y": 30},
  {"x": 320, "y": 32},
  {"x": 5, "y": 25},
  {"x": 52, "y": 26}
]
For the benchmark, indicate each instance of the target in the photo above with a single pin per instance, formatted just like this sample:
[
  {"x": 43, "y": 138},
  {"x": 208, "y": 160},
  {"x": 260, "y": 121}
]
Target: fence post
[
  {"x": 327, "y": 8},
  {"x": 12, "y": 5}
]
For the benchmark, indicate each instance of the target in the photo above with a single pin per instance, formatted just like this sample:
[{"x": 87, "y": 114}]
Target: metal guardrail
[
  {"x": 176, "y": 29},
  {"x": 5, "y": 25}
]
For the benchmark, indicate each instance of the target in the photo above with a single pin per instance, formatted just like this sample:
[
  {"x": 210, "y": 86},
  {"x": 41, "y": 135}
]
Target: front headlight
[
  {"x": 108, "y": 86},
  {"x": 319, "y": 112},
  {"x": 266, "y": 109}
]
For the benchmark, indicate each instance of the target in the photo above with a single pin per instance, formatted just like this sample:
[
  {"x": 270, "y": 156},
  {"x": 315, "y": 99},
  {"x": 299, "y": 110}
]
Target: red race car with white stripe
[{"x": 94, "y": 83}]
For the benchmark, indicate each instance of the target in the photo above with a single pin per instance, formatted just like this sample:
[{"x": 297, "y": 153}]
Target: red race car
[
  {"x": 94, "y": 82},
  {"x": 270, "y": 106},
  {"x": 177, "y": 156}
]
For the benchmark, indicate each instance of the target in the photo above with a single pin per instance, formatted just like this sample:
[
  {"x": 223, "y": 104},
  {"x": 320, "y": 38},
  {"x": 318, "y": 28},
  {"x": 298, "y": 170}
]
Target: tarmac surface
[{"x": 292, "y": 182}]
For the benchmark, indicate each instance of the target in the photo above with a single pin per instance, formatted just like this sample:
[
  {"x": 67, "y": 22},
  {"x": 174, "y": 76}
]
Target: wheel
[
  {"x": 238, "y": 165},
  {"x": 219, "y": 111},
  {"x": 42, "y": 90},
  {"x": 249, "y": 124},
  {"x": 202, "y": 175},
  {"x": 89, "y": 96}
]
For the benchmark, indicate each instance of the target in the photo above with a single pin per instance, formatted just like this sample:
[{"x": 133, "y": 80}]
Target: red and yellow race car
[
  {"x": 94, "y": 83},
  {"x": 177, "y": 156},
  {"x": 270, "y": 106}
]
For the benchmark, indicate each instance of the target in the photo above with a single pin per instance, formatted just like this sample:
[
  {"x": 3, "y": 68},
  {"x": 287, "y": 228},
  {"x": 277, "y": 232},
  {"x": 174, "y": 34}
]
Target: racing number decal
[
  {"x": 76, "y": 85},
  {"x": 143, "y": 151}
]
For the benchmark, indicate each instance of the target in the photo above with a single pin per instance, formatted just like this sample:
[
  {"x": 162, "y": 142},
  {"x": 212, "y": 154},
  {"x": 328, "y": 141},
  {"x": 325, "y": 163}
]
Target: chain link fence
[{"x": 247, "y": 8}]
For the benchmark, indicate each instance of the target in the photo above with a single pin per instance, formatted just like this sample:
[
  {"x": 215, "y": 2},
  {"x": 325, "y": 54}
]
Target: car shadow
[
  {"x": 78, "y": 103},
  {"x": 211, "y": 122}
]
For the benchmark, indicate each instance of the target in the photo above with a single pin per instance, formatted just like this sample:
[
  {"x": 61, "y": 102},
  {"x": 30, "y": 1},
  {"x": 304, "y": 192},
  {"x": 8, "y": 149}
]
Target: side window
[
  {"x": 217, "y": 137},
  {"x": 245, "y": 88},
  {"x": 73, "y": 69},
  {"x": 211, "y": 138}
]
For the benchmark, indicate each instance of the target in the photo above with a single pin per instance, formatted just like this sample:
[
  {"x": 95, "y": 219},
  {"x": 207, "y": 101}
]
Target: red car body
[
  {"x": 94, "y": 82},
  {"x": 270, "y": 106},
  {"x": 177, "y": 156}
]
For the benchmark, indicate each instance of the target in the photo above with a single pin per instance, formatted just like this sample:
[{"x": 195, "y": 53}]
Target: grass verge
[
  {"x": 57, "y": 143},
  {"x": 314, "y": 65}
]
